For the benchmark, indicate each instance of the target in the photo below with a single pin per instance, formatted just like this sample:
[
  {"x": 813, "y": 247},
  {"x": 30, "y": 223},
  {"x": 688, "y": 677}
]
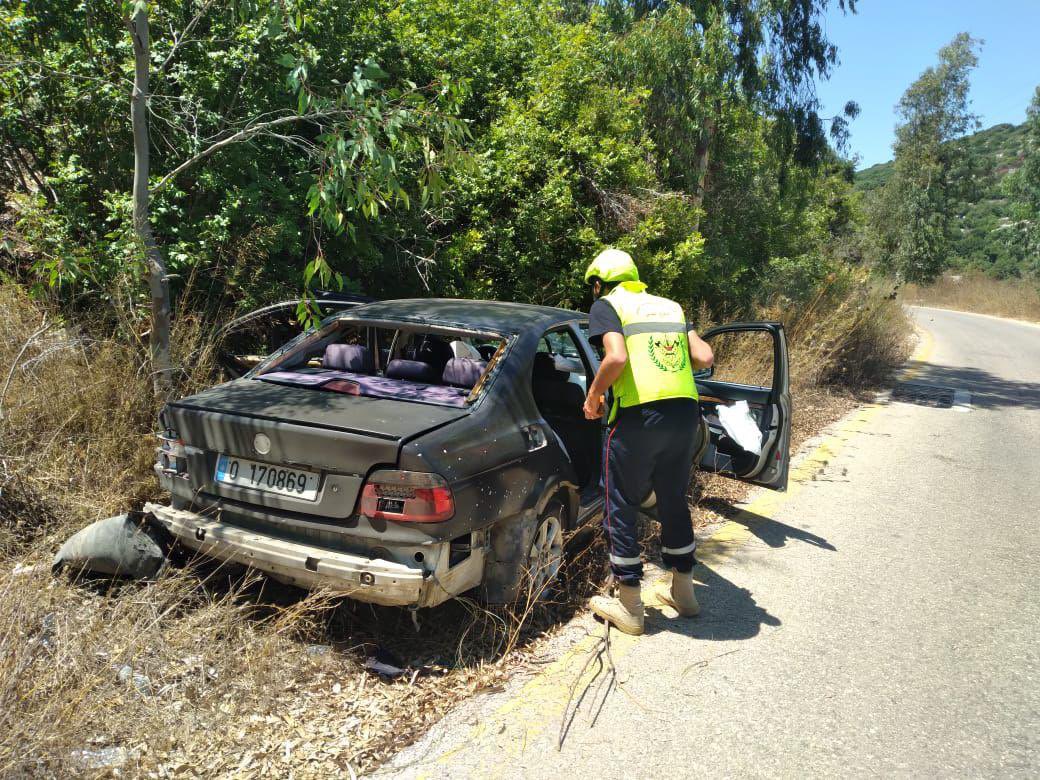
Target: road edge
[{"x": 997, "y": 317}]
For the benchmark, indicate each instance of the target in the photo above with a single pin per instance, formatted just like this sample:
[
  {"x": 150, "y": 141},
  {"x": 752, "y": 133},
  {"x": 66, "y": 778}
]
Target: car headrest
[
  {"x": 545, "y": 368},
  {"x": 412, "y": 370},
  {"x": 348, "y": 357},
  {"x": 463, "y": 372}
]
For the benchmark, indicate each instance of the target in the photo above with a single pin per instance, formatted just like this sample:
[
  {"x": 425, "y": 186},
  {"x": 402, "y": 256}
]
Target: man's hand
[
  {"x": 610, "y": 368},
  {"x": 593, "y": 407}
]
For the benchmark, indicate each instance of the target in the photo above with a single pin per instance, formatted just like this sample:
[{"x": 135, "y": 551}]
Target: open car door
[{"x": 751, "y": 364}]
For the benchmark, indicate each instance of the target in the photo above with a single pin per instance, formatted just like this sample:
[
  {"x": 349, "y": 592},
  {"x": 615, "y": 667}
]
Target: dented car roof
[{"x": 497, "y": 316}]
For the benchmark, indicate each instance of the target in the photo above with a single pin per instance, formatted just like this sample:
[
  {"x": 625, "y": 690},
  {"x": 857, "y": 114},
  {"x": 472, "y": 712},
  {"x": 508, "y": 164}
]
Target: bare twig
[
  {"x": 14, "y": 364},
  {"x": 179, "y": 40}
]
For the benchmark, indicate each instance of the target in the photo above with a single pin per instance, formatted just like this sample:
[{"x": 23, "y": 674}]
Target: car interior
[
  {"x": 245, "y": 342},
  {"x": 407, "y": 363},
  {"x": 558, "y": 381}
]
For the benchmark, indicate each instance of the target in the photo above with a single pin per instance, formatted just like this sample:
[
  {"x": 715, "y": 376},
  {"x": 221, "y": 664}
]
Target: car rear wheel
[{"x": 545, "y": 556}]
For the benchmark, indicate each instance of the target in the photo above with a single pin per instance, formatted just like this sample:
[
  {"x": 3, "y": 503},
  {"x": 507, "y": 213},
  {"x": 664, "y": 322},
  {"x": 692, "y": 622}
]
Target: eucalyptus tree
[
  {"x": 932, "y": 164},
  {"x": 705, "y": 61},
  {"x": 237, "y": 110}
]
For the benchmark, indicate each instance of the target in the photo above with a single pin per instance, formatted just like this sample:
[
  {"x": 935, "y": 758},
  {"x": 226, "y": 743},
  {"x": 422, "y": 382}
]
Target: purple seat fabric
[
  {"x": 348, "y": 357},
  {"x": 413, "y": 371},
  {"x": 463, "y": 372},
  {"x": 374, "y": 386}
]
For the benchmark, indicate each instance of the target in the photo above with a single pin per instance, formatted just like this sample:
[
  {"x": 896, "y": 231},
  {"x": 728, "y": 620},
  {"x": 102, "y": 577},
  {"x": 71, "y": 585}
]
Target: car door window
[
  {"x": 743, "y": 358},
  {"x": 567, "y": 356}
]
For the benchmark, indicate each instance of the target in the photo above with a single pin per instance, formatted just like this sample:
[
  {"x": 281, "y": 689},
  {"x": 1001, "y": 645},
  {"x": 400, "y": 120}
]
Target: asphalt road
[{"x": 883, "y": 619}]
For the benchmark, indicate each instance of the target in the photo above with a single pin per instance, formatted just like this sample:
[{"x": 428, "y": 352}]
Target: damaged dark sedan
[{"x": 406, "y": 452}]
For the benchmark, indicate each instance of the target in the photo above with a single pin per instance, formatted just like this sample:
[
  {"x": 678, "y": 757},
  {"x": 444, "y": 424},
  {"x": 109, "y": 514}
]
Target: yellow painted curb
[{"x": 922, "y": 354}]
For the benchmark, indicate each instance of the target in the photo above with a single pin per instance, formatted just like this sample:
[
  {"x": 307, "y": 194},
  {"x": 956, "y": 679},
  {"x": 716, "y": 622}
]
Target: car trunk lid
[{"x": 341, "y": 436}]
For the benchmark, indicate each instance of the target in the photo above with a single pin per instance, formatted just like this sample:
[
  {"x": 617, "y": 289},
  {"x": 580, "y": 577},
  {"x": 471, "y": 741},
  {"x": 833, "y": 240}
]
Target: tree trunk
[
  {"x": 158, "y": 284},
  {"x": 699, "y": 174}
]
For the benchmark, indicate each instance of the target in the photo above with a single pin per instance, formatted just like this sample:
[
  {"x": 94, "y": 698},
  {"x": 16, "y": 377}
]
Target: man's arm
[
  {"x": 614, "y": 359},
  {"x": 700, "y": 351}
]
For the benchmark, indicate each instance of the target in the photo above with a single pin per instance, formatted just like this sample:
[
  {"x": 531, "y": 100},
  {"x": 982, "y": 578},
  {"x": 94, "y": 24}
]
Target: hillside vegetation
[{"x": 987, "y": 233}]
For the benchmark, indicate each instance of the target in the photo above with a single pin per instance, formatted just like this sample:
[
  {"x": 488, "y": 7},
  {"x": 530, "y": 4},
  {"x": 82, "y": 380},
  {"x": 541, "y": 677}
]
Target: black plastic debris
[
  {"x": 385, "y": 664},
  {"x": 129, "y": 545}
]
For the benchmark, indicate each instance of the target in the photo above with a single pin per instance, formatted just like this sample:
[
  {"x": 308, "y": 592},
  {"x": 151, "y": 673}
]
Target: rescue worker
[{"x": 649, "y": 355}]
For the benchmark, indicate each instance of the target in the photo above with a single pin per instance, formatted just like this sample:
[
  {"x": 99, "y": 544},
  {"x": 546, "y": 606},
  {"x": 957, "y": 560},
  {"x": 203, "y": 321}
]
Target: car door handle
[{"x": 534, "y": 436}]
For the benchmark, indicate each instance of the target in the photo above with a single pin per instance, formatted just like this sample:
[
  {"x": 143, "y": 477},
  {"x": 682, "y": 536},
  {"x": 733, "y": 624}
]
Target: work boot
[
  {"x": 625, "y": 612},
  {"x": 678, "y": 594}
]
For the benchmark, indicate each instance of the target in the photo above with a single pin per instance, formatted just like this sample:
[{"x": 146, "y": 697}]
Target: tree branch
[
  {"x": 242, "y": 135},
  {"x": 179, "y": 39}
]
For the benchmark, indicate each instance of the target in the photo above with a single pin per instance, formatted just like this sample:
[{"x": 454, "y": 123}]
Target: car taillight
[
  {"x": 407, "y": 496},
  {"x": 171, "y": 455}
]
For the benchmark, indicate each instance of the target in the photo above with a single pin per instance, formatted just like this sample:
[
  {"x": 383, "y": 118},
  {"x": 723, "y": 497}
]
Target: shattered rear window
[{"x": 405, "y": 361}]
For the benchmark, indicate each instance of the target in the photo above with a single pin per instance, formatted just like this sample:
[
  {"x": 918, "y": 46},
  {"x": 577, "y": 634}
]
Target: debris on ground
[
  {"x": 122, "y": 546},
  {"x": 25, "y": 570},
  {"x": 128, "y": 677},
  {"x": 103, "y": 759},
  {"x": 385, "y": 664}
]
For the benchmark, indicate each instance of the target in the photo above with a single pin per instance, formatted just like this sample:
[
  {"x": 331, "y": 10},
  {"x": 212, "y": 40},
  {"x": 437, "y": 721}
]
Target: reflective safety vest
[{"x": 658, "y": 364}]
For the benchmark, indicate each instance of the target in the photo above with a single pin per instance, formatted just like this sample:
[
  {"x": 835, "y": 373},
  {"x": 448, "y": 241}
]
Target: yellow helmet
[{"x": 613, "y": 265}]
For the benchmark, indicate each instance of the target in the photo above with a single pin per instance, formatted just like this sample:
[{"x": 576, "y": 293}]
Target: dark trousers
[{"x": 650, "y": 447}]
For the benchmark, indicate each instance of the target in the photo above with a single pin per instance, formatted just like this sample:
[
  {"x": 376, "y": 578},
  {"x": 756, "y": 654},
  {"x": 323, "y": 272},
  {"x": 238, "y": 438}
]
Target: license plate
[{"x": 270, "y": 479}]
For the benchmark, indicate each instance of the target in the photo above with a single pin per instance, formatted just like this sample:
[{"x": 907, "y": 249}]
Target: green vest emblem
[{"x": 667, "y": 351}]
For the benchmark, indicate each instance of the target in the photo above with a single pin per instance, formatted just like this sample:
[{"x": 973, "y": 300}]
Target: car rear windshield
[{"x": 404, "y": 361}]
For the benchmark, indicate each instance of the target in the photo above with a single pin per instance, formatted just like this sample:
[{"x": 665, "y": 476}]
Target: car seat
[
  {"x": 463, "y": 372},
  {"x": 348, "y": 357},
  {"x": 432, "y": 350},
  {"x": 560, "y": 402},
  {"x": 413, "y": 371}
]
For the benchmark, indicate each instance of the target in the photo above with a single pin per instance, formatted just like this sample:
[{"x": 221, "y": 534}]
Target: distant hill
[{"x": 984, "y": 241}]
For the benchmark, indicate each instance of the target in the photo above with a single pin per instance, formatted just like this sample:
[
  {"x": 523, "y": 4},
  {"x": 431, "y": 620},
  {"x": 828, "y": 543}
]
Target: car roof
[{"x": 496, "y": 316}]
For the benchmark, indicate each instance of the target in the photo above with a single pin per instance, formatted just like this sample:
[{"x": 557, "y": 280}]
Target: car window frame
[{"x": 399, "y": 325}]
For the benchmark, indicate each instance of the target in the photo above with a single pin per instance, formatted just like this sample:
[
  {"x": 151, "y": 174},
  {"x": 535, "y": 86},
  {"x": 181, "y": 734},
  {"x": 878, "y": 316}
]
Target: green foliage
[
  {"x": 913, "y": 212},
  {"x": 428, "y": 146},
  {"x": 319, "y": 138},
  {"x": 992, "y": 220},
  {"x": 1022, "y": 226}
]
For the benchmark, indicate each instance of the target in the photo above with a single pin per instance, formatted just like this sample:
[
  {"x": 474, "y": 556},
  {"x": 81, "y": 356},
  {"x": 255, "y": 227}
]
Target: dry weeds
[
  {"x": 210, "y": 670},
  {"x": 976, "y": 292}
]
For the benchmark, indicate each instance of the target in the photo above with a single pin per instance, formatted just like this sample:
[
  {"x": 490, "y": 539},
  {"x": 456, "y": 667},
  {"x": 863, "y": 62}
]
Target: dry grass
[
  {"x": 210, "y": 670},
  {"x": 222, "y": 672},
  {"x": 976, "y": 292},
  {"x": 844, "y": 342}
]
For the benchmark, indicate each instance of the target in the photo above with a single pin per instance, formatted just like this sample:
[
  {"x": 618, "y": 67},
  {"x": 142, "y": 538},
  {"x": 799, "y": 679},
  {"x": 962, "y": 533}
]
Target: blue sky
[{"x": 886, "y": 44}]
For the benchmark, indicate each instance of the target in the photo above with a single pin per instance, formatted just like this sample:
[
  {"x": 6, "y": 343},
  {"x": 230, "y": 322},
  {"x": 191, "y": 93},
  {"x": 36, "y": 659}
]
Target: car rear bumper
[{"x": 373, "y": 580}]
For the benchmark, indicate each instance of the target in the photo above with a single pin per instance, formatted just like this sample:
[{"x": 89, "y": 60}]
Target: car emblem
[{"x": 261, "y": 444}]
